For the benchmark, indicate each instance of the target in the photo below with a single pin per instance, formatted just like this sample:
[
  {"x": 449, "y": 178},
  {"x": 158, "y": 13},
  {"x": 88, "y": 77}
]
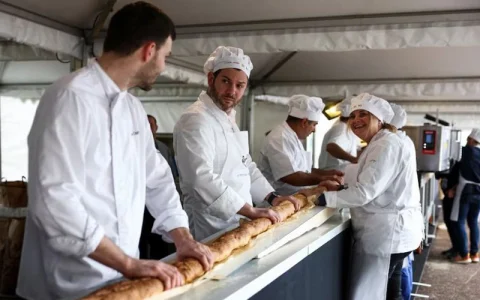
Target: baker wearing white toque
[
  {"x": 218, "y": 178},
  {"x": 339, "y": 146},
  {"x": 283, "y": 160}
]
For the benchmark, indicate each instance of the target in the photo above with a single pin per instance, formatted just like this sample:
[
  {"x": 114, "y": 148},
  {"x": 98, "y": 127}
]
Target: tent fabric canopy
[
  {"x": 420, "y": 54},
  {"x": 321, "y": 48},
  {"x": 307, "y": 39}
]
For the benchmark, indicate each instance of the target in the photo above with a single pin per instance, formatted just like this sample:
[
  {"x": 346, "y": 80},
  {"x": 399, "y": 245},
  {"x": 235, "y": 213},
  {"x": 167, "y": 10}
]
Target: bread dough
[{"x": 192, "y": 269}]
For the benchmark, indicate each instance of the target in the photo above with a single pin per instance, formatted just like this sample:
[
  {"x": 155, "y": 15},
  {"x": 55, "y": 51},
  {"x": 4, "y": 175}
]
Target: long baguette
[{"x": 190, "y": 268}]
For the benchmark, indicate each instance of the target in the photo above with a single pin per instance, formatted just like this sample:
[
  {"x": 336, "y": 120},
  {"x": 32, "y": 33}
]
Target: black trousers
[
  {"x": 394, "y": 287},
  {"x": 151, "y": 245},
  {"x": 447, "y": 204}
]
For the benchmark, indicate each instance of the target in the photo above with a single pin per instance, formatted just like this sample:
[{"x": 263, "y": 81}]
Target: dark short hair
[
  {"x": 295, "y": 119},
  {"x": 150, "y": 116},
  {"x": 136, "y": 24},
  {"x": 217, "y": 72}
]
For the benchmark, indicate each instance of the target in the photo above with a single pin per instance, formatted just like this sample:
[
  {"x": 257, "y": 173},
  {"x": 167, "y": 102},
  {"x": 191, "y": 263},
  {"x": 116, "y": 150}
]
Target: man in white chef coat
[
  {"x": 283, "y": 159},
  {"x": 218, "y": 178},
  {"x": 339, "y": 146},
  {"x": 93, "y": 167}
]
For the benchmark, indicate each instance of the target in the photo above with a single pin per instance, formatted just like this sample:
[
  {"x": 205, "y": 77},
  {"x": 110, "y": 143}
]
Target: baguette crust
[{"x": 190, "y": 268}]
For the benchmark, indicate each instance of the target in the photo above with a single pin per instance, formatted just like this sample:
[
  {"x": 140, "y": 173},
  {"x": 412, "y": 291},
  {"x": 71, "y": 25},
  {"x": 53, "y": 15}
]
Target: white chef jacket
[
  {"x": 203, "y": 149},
  {"x": 387, "y": 183},
  {"x": 283, "y": 154},
  {"x": 339, "y": 134},
  {"x": 92, "y": 169}
]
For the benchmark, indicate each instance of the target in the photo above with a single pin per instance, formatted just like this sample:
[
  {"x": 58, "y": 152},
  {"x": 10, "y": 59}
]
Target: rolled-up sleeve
[
  {"x": 57, "y": 172},
  {"x": 281, "y": 157},
  {"x": 195, "y": 151}
]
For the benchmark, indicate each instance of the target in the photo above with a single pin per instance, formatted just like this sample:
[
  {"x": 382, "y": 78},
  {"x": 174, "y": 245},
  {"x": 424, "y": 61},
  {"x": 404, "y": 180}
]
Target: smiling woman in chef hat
[
  {"x": 384, "y": 199},
  {"x": 368, "y": 115}
]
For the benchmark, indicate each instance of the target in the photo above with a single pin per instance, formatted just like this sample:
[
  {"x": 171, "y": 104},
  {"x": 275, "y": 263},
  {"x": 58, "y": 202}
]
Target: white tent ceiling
[
  {"x": 381, "y": 64},
  {"x": 402, "y": 50},
  {"x": 80, "y": 14}
]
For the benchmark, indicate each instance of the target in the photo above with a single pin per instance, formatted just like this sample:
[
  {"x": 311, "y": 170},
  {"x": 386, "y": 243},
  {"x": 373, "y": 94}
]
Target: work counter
[{"x": 313, "y": 265}]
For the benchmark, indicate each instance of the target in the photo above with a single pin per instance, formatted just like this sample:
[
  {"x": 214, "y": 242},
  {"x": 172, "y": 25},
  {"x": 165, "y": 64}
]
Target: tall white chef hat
[
  {"x": 344, "y": 106},
  {"x": 400, "y": 116},
  {"x": 305, "y": 107},
  {"x": 475, "y": 134},
  {"x": 228, "y": 57},
  {"x": 378, "y": 107}
]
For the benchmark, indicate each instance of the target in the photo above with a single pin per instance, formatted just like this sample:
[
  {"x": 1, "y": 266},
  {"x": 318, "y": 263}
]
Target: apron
[
  {"x": 462, "y": 182},
  {"x": 236, "y": 175},
  {"x": 372, "y": 247}
]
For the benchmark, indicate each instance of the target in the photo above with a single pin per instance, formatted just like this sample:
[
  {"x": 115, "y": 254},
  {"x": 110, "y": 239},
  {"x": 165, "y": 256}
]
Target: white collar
[
  {"x": 110, "y": 87},
  {"x": 205, "y": 98},
  {"x": 291, "y": 132}
]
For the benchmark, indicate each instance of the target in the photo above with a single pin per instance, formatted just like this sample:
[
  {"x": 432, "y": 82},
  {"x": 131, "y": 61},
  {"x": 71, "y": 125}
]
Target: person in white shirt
[
  {"x": 339, "y": 146},
  {"x": 218, "y": 178},
  {"x": 283, "y": 159},
  {"x": 384, "y": 199},
  {"x": 93, "y": 167}
]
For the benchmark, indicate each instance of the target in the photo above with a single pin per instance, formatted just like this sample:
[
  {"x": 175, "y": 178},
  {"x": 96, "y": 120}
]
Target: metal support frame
[
  {"x": 0, "y": 138},
  {"x": 275, "y": 68},
  {"x": 417, "y": 18},
  {"x": 251, "y": 119},
  {"x": 184, "y": 64},
  {"x": 247, "y": 121},
  {"x": 427, "y": 200},
  {"x": 174, "y": 99},
  {"x": 415, "y": 295},
  {"x": 100, "y": 22},
  {"x": 3, "y": 65},
  {"x": 243, "y": 120},
  {"x": 419, "y": 296},
  {"x": 278, "y": 65},
  {"x": 356, "y": 81},
  {"x": 96, "y": 31},
  {"x": 75, "y": 64}
]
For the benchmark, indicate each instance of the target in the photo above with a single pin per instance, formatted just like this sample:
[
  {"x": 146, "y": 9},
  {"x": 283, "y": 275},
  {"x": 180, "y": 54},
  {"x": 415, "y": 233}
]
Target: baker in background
[
  {"x": 283, "y": 159},
  {"x": 339, "y": 146}
]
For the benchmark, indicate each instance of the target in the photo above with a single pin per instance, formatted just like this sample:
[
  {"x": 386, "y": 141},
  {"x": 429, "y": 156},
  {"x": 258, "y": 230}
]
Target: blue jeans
[
  {"x": 407, "y": 280},
  {"x": 469, "y": 210},
  {"x": 394, "y": 285}
]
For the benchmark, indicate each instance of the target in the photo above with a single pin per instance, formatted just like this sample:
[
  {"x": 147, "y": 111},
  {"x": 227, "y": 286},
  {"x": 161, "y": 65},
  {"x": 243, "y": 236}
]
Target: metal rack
[{"x": 428, "y": 191}]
